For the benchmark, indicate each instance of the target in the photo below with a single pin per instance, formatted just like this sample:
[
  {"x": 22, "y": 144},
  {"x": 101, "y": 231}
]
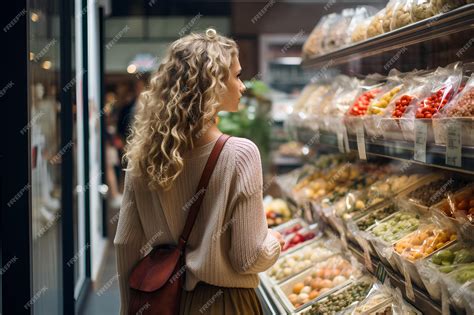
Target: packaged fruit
[
  {"x": 463, "y": 104},
  {"x": 460, "y": 205},
  {"x": 291, "y": 227},
  {"x": 396, "y": 226},
  {"x": 298, "y": 238},
  {"x": 318, "y": 281},
  {"x": 361, "y": 104},
  {"x": 276, "y": 210},
  {"x": 295, "y": 262},
  {"x": 377, "y": 106},
  {"x": 423, "y": 242}
]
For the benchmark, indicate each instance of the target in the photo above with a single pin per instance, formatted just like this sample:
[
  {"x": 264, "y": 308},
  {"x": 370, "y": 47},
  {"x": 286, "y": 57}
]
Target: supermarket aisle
[{"x": 104, "y": 298}]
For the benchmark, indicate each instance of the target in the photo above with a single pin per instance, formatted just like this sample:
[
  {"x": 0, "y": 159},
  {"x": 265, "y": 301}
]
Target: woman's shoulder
[{"x": 243, "y": 148}]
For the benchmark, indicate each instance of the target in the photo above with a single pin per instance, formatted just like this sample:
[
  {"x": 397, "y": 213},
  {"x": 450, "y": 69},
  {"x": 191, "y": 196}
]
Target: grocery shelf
[
  {"x": 395, "y": 149},
  {"x": 455, "y": 21}
]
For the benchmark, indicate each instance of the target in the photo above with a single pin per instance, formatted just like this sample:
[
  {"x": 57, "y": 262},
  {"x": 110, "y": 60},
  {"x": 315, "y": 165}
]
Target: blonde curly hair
[{"x": 181, "y": 99}]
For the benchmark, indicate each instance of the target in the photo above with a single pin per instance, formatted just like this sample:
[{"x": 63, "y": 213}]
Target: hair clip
[{"x": 211, "y": 33}]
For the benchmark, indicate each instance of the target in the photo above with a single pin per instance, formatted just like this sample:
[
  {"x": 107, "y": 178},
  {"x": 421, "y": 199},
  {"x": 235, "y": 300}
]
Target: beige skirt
[{"x": 212, "y": 300}]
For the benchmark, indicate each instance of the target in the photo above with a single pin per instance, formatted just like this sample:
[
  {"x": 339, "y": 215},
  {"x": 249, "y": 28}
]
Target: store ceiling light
[
  {"x": 288, "y": 61},
  {"x": 46, "y": 65},
  {"x": 131, "y": 68},
  {"x": 34, "y": 17}
]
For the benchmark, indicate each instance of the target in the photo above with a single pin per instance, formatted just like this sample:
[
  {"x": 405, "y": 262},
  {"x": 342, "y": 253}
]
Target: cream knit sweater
[{"x": 229, "y": 243}]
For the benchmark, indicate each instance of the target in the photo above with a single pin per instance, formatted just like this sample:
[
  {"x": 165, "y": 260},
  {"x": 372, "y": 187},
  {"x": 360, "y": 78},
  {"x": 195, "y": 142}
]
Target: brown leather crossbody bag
[{"x": 157, "y": 279}]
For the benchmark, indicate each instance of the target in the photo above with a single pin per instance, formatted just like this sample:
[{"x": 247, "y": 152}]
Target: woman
[{"x": 172, "y": 136}]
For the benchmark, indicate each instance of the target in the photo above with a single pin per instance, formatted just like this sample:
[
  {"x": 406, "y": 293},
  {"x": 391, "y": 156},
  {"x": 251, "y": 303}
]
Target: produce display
[
  {"x": 299, "y": 260},
  {"x": 321, "y": 279},
  {"x": 361, "y": 104},
  {"x": 298, "y": 238},
  {"x": 396, "y": 226},
  {"x": 429, "y": 106},
  {"x": 464, "y": 106},
  {"x": 461, "y": 205},
  {"x": 463, "y": 274},
  {"x": 423, "y": 242},
  {"x": 377, "y": 106},
  {"x": 375, "y": 216},
  {"x": 277, "y": 212},
  {"x": 433, "y": 192},
  {"x": 339, "y": 301},
  {"x": 401, "y": 105}
]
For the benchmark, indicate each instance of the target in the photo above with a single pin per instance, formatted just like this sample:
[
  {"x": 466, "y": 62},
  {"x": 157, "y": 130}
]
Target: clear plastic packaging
[
  {"x": 314, "y": 283},
  {"x": 459, "y": 111},
  {"x": 330, "y": 39},
  {"x": 340, "y": 32},
  {"x": 313, "y": 45},
  {"x": 460, "y": 285},
  {"x": 302, "y": 259},
  {"x": 376, "y": 24},
  {"x": 387, "y": 17},
  {"x": 401, "y": 14},
  {"x": 459, "y": 205},
  {"x": 443, "y": 6},
  {"x": 359, "y": 32},
  {"x": 422, "y": 9}
]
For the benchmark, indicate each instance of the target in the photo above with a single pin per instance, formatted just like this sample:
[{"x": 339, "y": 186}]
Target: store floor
[{"x": 104, "y": 298}]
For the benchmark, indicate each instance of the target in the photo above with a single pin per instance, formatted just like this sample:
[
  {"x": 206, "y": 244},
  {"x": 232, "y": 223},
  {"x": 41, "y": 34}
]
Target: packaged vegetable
[{"x": 463, "y": 104}]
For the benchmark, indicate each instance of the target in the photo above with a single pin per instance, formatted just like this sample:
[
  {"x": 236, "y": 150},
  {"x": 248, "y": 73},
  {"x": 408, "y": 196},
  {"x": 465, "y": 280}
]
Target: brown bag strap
[{"x": 201, "y": 189}]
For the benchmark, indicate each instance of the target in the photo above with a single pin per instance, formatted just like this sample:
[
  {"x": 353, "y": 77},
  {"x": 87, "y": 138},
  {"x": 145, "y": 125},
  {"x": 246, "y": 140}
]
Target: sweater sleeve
[
  {"x": 128, "y": 241},
  {"x": 253, "y": 249}
]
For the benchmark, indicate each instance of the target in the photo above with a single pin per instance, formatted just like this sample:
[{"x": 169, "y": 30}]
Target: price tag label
[
  {"x": 340, "y": 141},
  {"x": 346, "y": 139},
  {"x": 361, "y": 141},
  {"x": 421, "y": 132},
  {"x": 381, "y": 272},
  {"x": 444, "y": 301},
  {"x": 408, "y": 285},
  {"x": 453, "y": 144},
  {"x": 367, "y": 259}
]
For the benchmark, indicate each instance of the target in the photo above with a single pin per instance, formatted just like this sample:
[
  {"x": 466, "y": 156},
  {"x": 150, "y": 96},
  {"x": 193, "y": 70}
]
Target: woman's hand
[{"x": 278, "y": 236}]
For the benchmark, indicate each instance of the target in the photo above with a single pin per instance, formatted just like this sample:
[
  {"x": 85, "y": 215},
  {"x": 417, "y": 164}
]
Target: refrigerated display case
[{"x": 431, "y": 209}]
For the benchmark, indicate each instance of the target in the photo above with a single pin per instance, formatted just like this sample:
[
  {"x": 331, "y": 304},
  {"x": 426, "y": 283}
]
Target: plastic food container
[
  {"x": 440, "y": 128},
  {"x": 300, "y": 238},
  {"x": 390, "y": 129},
  {"x": 406, "y": 201},
  {"x": 291, "y": 226},
  {"x": 375, "y": 216},
  {"x": 398, "y": 225},
  {"x": 297, "y": 261},
  {"x": 406, "y": 257},
  {"x": 445, "y": 264},
  {"x": 343, "y": 298},
  {"x": 313, "y": 284}
]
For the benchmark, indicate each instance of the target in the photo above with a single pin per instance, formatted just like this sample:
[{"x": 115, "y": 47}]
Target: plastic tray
[
  {"x": 467, "y": 130},
  {"x": 318, "y": 243},
  {"x": 378, "y": 244},
  {"x": 365, "y": 278},
  {"x": 408, "y": 129},
  {"x": 286, "y": 288},
  {"x": 287, "y": 225},
  {"x": 409, "y": 203},
  {"x": 313, "y": 228},
  {"x": 410, "y": 266}
]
